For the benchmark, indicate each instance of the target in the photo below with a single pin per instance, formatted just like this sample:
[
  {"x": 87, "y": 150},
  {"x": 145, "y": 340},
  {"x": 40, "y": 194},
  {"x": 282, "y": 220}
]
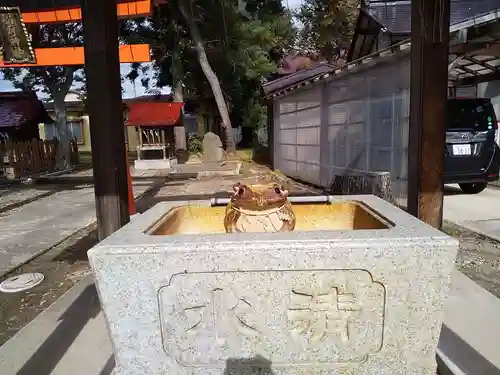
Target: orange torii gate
[
  {"x": 101, "y": 56},
  {"x": 70, "y": 12}
]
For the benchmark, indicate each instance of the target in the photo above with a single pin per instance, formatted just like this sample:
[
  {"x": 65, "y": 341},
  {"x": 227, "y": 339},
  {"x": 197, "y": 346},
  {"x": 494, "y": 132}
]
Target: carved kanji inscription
[
  {"x": 292, "y": 318},
  {"x": 317, "y": 314}
]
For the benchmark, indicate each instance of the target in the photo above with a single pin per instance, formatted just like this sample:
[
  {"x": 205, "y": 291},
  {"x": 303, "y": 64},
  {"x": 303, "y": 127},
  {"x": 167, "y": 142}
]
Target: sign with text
[{"x": 16, "y": 46}]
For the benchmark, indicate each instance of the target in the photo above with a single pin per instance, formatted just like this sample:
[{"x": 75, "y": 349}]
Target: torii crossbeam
[{"x": 101, "y": 56}]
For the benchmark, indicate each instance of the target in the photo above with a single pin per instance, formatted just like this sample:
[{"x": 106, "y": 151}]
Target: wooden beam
[
  {"x": 137, "y": 8},
  {"x": 477, "y": 79},
  {"x": 428, "y": 100},
  {"x": 76, "y": 56},
  {"x": 102, "y": 68}
]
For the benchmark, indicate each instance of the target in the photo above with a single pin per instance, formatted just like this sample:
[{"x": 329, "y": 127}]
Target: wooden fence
[{"x": 28, "y": 158}]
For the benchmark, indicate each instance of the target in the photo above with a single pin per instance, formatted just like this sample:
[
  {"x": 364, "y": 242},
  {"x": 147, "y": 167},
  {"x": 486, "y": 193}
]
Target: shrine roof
[
  {"x": 21, "y": 108},
  {"x": 153, "y": 113}
]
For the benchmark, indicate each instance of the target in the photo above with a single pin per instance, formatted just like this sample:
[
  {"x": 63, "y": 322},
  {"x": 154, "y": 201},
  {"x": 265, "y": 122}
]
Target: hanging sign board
[{"x": 16, "y": 45}]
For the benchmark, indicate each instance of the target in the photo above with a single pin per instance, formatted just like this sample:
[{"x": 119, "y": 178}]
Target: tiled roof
[
  {"x": 150, "y": 98},
  {"x": 19, "y": 108},
  {"x": 291, "y": 79},
  {"x": 151, "y": 113},
  {"x": 395, "y": 15},
  {"x": 403, "y": 47}
]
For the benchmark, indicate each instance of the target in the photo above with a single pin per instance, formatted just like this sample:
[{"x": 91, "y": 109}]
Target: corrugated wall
[
  {"x": 297, "y": 120},
  {"x": 356, "y": 123}
]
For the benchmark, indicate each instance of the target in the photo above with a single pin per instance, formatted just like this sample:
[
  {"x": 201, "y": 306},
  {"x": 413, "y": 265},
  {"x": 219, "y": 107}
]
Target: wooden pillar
[
  {"x": 130, "y": 190},
  {"x": 163, "y": 143},
  {"x": 429, "y": 84},
  {"x": 102, "y": 69},
  {"x": 270, "y": 132},
  {"x": 139, "y": 147}
]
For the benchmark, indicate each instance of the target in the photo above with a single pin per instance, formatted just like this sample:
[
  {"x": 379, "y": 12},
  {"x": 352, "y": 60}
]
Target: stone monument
[
  {"x": 357, "y": 288},
  {"x": 213, "y": 151}
]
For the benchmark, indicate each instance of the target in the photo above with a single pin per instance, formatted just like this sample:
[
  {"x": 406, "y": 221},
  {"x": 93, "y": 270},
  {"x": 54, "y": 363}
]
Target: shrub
[{"x": 195, "y": 143}]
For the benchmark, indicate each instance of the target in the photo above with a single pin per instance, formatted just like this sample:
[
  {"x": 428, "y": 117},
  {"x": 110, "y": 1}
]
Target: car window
[{"x": 465, "y": 114}]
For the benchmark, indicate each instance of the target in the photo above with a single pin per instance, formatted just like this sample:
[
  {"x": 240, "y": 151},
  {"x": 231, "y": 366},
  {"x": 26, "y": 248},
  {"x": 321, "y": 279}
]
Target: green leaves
[
  {"x": 237, "y": 46},
  {"x": 328, "y": 24}
]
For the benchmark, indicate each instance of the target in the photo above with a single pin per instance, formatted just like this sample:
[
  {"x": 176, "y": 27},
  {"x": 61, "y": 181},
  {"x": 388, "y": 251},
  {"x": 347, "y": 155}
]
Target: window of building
[
  {"x": 75, "y": 129},
  {"x": 50, "y": 131}
]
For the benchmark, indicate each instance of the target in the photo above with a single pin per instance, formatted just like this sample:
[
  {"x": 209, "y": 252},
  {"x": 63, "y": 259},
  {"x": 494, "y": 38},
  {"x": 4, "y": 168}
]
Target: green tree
[
  {"x": 327, "y": 25},
  {"x": 53, "y": 81},
  {"x": 210, "y": 46}
]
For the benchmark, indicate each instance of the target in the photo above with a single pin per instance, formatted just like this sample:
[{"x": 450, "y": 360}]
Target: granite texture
[{"x": 325, "y": 302}]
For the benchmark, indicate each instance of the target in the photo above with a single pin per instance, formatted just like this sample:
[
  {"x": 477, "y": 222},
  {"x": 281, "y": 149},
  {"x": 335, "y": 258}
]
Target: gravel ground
[
  {"x": 478, "y": 257},
  {"x": 63, "y": 266}
]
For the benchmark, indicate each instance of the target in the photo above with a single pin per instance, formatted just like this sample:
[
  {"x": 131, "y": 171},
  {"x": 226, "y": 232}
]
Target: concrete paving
[
  {"x": 32, "y": 228},
  {"x": 470, "y": 336},
  {"x": 70, "y": 337},
  {"x": 477, "y": 212}
]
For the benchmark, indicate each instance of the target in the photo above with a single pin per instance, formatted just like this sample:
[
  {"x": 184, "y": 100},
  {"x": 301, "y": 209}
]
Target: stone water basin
[
  {"x": 198, "y": 219},
  {"x": 357, "y": 288}
]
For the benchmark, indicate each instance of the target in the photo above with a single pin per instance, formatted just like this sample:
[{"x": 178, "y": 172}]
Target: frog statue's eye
[
  {"x": 277, "y": 190},
  {"x": 241, "y": 191}
]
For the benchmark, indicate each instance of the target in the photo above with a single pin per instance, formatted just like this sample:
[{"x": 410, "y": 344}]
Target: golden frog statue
[{"x": 255, "y": 210}]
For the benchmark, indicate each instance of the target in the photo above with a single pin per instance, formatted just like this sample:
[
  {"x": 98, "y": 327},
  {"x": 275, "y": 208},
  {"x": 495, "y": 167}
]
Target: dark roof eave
[{"x": 297, "y": 77}]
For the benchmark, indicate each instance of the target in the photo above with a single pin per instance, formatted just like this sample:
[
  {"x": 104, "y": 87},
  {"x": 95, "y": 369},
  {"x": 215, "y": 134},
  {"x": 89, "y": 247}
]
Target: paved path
[
  {"x": 70, "y": 337},
  {"x": 477, "y": 212},
  {"x": 32, "y": 228}
]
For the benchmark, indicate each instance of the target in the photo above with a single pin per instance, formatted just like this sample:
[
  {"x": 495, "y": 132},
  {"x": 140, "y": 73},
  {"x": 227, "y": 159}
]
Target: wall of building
[
  {"x": 132, "y": 138},
  {"x": 79, "y": 127},
  {"x": 85, "y": 146},
  {"x": 206, "y": 119},
  {"x": 356, "y": 122}
]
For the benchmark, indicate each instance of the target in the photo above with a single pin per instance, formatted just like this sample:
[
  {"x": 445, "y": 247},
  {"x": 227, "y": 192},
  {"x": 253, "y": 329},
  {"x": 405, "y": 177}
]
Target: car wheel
[{"x": 473, "y": 187}]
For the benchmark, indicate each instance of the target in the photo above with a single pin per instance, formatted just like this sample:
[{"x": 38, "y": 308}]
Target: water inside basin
[{"x": 198, "y": 219}]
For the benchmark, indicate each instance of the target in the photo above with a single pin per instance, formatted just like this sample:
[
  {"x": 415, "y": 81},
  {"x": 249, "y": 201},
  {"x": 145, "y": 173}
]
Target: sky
[
  {"x": 128, "y": 87},
  {"x": 292, "y": 3},
  {"x": 129, "y": 90}
]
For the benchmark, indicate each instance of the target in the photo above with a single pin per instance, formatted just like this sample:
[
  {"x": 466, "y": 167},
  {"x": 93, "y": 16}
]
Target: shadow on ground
[
  {"x": 464, "y": 356},
  {"x": 72, "y": 321},
  {"x": 452, "y": 190}
]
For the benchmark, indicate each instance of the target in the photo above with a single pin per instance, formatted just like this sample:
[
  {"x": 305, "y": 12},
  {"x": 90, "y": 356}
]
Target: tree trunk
[
  {"x": 179, "y": 131},
  {"x": 211, "y": 77},
  {"x": 63, "y": 154}
]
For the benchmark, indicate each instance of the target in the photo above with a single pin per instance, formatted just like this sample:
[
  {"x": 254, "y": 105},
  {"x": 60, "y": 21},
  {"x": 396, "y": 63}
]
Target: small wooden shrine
[{"x": 154, "y": 122}]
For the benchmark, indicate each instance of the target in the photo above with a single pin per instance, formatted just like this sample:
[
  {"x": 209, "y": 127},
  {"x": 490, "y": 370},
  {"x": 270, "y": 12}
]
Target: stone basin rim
[{"x": 345, "y": 215}]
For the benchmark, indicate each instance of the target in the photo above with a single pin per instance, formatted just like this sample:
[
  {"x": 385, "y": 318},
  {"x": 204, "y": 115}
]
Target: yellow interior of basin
[{"x": 194, "y": 219}]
